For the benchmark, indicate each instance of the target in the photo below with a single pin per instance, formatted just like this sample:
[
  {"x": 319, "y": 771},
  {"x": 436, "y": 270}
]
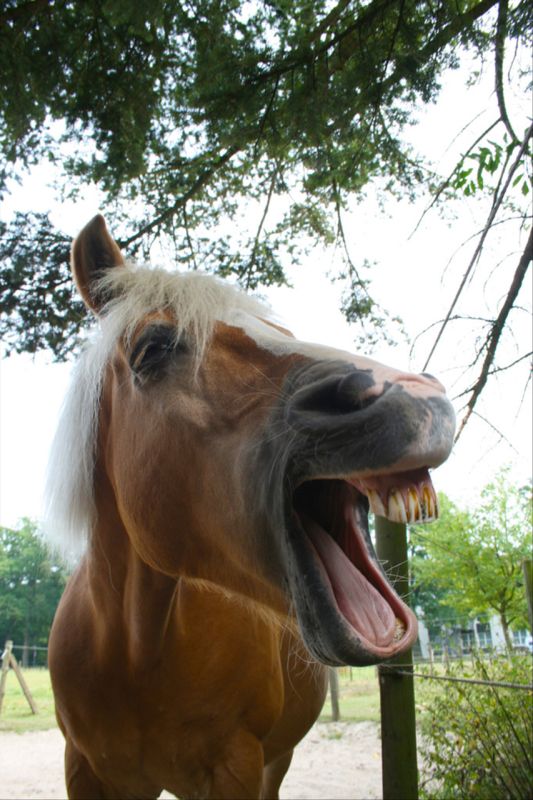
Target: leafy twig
[{"x": 446, "y": 182}]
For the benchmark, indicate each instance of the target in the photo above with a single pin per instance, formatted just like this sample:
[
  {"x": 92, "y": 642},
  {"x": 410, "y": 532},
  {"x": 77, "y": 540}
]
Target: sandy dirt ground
[{"x": 337, "y": 761}]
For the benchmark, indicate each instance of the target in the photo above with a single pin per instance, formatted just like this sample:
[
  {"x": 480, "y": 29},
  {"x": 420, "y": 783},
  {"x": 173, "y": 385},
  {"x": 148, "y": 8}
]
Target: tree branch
[
  {"x": 477, "y": 252},
  {"x": 446, "y": 182},
  {"x": 253, "y": 256},
  {"x": 501, "y": 435},
  {"x": 501, "y": 31},
  {"x": 199, "y": 183},
  {"x": 303, "y": 55},
  {"x": 329, "y": 20},
  {"x": 24, "y": 10},
  {"x": 188, "y": 236},
  {"x": 497, "y": 328},
  {"x": 265, "y": 115},
  {"x": 349, "y": 39},
  {"x": 443, "y": 38},
  {"x": 495, "y": 370},
  {"x": 352, "y": 269}
]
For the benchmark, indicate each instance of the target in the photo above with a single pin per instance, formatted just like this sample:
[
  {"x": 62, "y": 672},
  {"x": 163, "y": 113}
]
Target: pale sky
[{"x": 407, "y": 280}]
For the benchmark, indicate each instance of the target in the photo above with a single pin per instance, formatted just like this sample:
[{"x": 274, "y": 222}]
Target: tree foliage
[
  {"x": 31, "y": 583},
  {"x": 471, "y": 561},
  {"x": 185, "y": 113}
]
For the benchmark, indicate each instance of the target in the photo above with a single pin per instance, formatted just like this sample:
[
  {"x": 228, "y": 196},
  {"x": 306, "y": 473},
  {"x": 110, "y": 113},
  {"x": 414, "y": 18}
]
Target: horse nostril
[{"x": 353, "y": 392}]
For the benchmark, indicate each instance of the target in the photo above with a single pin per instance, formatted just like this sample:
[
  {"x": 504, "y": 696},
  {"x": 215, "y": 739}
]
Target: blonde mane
[{"x": 196, "y": 301}]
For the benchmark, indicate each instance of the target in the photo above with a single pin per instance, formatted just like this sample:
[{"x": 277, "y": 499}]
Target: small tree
[
  {"x": 473, "y": 559},
  {"x": 31, "y": 584}
]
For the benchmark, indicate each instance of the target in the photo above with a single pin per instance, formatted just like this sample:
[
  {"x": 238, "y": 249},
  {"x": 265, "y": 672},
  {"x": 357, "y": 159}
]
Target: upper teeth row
[{"x": 411, "y": 505}]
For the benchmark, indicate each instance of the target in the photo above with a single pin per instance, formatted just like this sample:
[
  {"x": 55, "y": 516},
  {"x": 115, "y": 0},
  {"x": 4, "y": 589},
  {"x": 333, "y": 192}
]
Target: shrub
[{"x": 477, "y": 740}]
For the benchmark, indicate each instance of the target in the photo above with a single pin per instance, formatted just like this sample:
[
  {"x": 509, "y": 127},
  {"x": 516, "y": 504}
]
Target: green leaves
[
  {"x": 39, "y": 304},
  {"x": 180, "y": 113},
  {"x": 473, "y": 559},
  {"x": 31, "y": 584},
  {"x": 488, "y": 160}
]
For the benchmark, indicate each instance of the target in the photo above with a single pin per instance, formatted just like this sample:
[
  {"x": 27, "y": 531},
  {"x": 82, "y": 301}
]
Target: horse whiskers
[{"x": 280, "y": 391}]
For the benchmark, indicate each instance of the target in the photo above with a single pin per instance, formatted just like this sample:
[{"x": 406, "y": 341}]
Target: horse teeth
[
  {"x": 430, "y": 503},
  {"x": 399, "y": 630},
  {"x": 413, "y": 506},
  {"x": 397, "y": 512},
  {"x": 418, "y": 503},
  {"x": 376, "y": 503}
]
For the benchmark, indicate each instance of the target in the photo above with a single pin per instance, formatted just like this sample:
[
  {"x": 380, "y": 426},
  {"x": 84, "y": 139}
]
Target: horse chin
[{"x": 347, "y": 610}]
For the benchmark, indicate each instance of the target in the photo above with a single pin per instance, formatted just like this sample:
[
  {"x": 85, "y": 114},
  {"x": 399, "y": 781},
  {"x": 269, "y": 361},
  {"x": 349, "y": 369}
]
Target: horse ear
[{"x": 93, "y": 253}]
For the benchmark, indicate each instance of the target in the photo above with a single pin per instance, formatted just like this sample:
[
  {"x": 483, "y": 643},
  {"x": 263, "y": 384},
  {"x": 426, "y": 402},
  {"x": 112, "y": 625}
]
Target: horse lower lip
[{"x": 348, "y": 611}]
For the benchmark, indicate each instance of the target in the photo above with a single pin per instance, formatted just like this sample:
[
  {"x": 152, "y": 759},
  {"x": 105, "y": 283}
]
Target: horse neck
[{"x": 132, "y": 600}]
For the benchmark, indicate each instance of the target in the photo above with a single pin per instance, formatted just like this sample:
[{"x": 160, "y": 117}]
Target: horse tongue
[{"x": 359, "y": 602}]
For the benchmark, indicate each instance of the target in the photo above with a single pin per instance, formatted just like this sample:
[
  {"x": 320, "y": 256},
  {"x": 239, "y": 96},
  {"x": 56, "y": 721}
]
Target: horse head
[{"x": 228, "y": 451}]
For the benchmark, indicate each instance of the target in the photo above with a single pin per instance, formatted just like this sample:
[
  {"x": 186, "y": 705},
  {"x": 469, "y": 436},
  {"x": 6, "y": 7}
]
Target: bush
[{"x": 477, "y": 740}]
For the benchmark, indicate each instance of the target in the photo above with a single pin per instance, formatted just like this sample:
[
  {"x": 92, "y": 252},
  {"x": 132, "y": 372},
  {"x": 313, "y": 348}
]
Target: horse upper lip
[{"x": 396, "y": 432}]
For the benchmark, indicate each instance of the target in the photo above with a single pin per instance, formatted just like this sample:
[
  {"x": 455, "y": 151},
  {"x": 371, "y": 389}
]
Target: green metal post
[{"x": 398, "y": 725}]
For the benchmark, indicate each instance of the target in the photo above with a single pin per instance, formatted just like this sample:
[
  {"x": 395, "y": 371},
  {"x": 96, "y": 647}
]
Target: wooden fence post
[
  {"x": 334, "y": 693},
  {"x": 9, "y": 660},
  {"x": 398, "y": 724},
  {"x": 6, "y": 656}
]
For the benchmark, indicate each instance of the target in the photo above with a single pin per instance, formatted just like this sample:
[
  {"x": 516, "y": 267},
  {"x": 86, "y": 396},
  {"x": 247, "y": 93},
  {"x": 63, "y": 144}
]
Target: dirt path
[{"x": 337, "y": 761}]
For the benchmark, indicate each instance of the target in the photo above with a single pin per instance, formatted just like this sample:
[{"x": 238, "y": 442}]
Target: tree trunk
[
  {"x": 506, "y": 633},
  {"x": 527, "y": 567}
]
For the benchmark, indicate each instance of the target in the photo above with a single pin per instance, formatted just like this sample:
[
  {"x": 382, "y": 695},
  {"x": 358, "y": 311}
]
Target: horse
[{"x": 214, "y": 476}]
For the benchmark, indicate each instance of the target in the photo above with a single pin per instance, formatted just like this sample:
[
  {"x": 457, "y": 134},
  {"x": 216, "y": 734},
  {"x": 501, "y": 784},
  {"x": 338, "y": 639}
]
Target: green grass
[
  {"x": 358, "y": 696},
  {"x": 16, "y": 714}
]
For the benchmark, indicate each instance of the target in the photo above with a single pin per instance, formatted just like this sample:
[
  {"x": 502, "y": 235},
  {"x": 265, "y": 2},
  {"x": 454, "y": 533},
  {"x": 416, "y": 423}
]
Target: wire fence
[
  {"x": 395, "y": 669},
  {"x": 412, "y": 670},
  {"x": 31, "y": 655},
  {"x": 405, "y": 670}
]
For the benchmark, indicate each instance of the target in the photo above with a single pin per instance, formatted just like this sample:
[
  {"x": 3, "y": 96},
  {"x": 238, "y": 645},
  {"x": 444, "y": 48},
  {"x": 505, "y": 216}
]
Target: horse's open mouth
[{"x": 348, "y": 611}]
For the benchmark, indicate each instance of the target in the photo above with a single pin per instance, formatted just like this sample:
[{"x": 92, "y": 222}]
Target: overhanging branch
[
  {"x": 501, "y": 31},
  {"x": 497, "y": 329},
  {"x": 183, "y": 199},
  {"x": 498, "y": 200}
]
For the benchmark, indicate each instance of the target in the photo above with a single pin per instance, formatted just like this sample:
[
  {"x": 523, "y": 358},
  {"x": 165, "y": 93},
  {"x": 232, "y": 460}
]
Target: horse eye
[{"x": 153, "y": 349}]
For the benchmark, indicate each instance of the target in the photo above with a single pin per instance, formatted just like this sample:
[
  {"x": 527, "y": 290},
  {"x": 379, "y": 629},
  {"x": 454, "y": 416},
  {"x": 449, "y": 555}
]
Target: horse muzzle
[{"x": 345, "y": 439}]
